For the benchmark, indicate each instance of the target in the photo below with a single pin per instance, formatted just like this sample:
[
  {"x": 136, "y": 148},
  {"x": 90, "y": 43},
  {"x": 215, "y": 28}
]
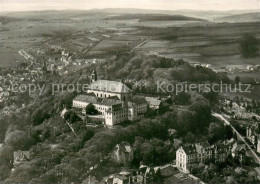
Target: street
[{"x": 250, "y": 152}]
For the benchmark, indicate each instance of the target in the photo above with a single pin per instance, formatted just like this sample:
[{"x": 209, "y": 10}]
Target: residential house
[
  {"x": 189, "y": 154},
  {"x": 122, "y": 153},
  {"x": 221, "y": 152},
  {"x": 238, "y": 151},
  {"x": 252, "y": 132},
  {"x": 144, "y": 175},
  {"x": 258, "y": 144},
  {"x": 154, "y": 103},
  {"x": 137, "y": 108},
  {"x": 20, "y": 157},
  {"x": 123, "y": 177}
]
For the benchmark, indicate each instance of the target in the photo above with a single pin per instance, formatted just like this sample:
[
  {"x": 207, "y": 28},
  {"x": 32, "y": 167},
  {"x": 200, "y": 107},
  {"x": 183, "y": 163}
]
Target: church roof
[
  {"x": 88, "y": 98},
  {"x": 109, "y": 86}
]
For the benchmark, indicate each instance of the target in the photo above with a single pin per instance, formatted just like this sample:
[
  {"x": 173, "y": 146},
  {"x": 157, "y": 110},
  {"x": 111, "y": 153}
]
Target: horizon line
[{"x": 93, "y": 9}]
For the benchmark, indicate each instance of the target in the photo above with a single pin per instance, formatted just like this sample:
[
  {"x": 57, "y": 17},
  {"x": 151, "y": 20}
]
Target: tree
[
  {"x": 249, "y": 46},
  {"x": 91, "y": 109},
  {"x": 254, "y": 103},
  {"x": 17, "y": 139},
  {"x": 182, "y": 99},
  {"x": 237, "y": 79},
  {"x": 71, "y": 116},
  {"x": 230, "y": 104}
]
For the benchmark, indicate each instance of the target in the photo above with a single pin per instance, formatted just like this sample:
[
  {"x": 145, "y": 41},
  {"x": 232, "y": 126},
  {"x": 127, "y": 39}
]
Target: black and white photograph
[{"x": 130, "y": 91}]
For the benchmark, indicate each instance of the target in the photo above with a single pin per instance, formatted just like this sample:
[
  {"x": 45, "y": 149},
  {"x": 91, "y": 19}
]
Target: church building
[
  {"x": 106, "y": 88},
  {"x": 114, "y": 100}
]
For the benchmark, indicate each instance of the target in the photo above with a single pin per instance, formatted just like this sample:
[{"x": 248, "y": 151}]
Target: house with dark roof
[
  {"x": 238, "y": 152},
  {"x": 137, "y": 108},
  {"x": 221, "y": 152},
  {"x": 189, "y": 154}
]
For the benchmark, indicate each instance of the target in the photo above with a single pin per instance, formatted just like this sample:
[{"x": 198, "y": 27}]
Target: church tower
[{"x": 94, "y": 76}]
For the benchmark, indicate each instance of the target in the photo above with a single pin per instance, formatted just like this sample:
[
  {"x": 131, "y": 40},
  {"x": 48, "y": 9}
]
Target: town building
[
  {"x": 238, "y": 152},
  {"x": 114, "y": 100},
  {"x": 122, "y": 153},
  {"x": 258, "y": 144},
  {"x": 189, "y": 154},
  {"x": 144, "y": 175},
  {"x": 221, "y": 152},
  {"x": 154, "y": 103},
  {"x": 123, "y": 177},
  {"x": 252, "y": 134},
  {"x": 137, "y": 108},
  {"x": 113, "y": 110},
  {"x": 20, "y": 157}
]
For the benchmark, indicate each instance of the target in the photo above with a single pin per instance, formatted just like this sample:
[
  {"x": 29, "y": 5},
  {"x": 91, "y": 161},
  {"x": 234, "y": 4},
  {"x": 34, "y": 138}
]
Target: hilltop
[
  {"x": 245, "y": 17},
  {"x": 154, "y": 17}
]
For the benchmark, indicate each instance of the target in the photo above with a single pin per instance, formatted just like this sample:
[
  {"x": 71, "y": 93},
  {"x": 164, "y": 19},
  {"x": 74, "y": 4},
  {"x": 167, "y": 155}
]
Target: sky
[{"x": 29, "y": 5}]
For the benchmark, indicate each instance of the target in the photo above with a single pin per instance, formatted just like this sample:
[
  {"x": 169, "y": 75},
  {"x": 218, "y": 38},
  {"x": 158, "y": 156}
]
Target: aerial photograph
[{"x": 130, "y": 92}]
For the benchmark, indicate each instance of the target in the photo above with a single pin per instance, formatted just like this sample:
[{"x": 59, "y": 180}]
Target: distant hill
[
  {"x": 154, "y": 17},
  {"x": 67, "y": 14},
  {"x": 245, "y": 17}
]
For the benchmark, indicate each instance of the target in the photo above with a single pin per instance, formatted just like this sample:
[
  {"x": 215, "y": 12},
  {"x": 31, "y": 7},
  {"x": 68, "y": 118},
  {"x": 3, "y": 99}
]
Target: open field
[
  {"x": 189, "y": 38},
  {"x": 216, "y": 44},
  {"x": 8, "y": 57}
]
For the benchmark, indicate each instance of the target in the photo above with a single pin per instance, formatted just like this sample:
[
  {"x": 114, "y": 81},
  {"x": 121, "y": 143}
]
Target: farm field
[
  {"x": 8, "y": 57},
  {"x": 194, "y": 40}
]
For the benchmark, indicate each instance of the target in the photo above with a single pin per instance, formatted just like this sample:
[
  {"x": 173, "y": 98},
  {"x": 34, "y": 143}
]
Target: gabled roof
[
  {"x": 109, "y": 86},
  {"x": 86, "y": 98},
  {"x": 19, "y": 156},
  {"x": 200, "y": 147},
  {"x": 189, "y": 148},
  {"x": 195, "y": 148},
  {"x": 109, "y": 102},
  {"x": 153, "y": 101},
  {"x": 125, "y": 147},
  {"x": 238, "y": 147},
  {"x": 94, "y": 100}
]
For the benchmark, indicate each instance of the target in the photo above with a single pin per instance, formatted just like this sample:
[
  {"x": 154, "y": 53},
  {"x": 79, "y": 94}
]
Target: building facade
[
  {"x": 193, "y": 153},
  {"x": 114, "y": 100}
]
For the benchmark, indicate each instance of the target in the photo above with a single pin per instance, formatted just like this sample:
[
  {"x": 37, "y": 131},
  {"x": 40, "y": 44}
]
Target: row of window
[{"x": 101, "y": 95}]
